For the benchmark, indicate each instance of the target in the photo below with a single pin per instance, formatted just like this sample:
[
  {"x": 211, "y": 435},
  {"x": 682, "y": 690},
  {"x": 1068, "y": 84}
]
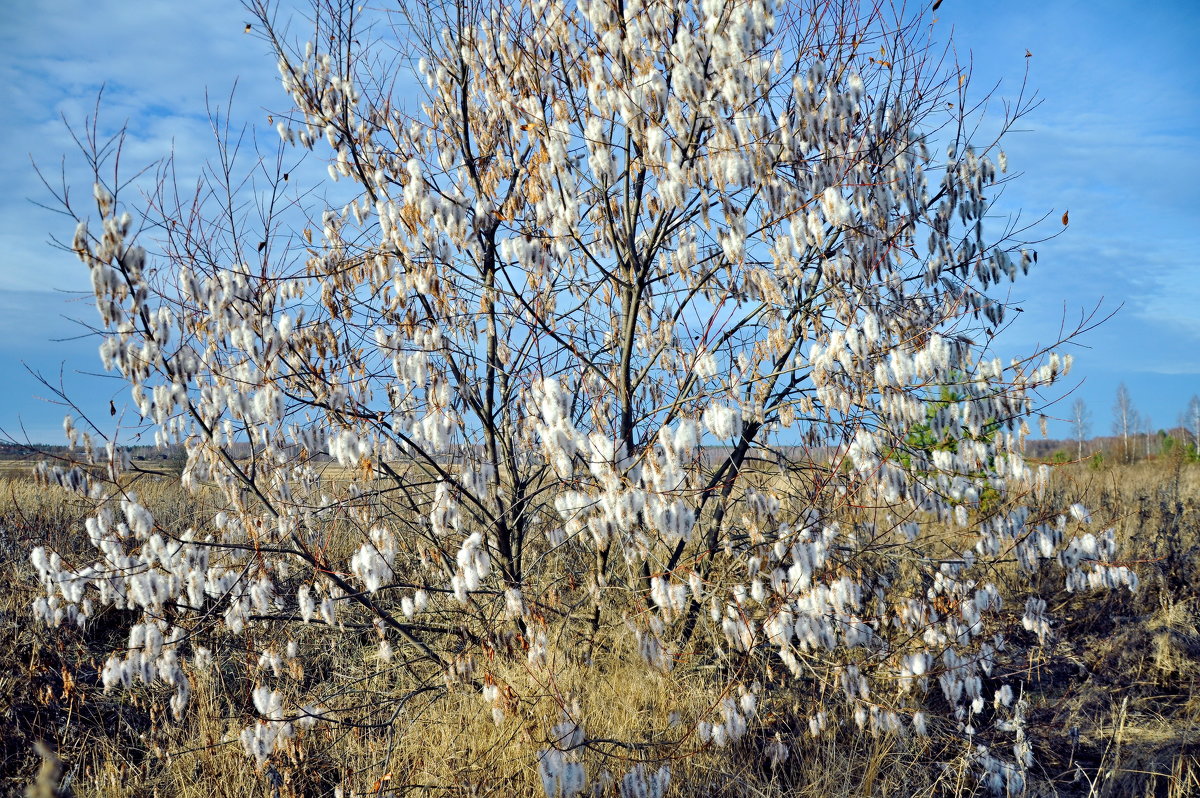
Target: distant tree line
[{"x": 1134, "y": 435}]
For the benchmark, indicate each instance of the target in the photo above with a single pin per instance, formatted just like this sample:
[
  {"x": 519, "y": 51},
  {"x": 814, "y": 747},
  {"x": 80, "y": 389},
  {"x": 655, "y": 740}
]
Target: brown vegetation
[{"x": 1114, "y": 706}]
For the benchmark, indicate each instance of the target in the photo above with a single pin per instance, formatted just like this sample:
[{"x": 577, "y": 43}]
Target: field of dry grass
[{"x": 1115, "y": 709}]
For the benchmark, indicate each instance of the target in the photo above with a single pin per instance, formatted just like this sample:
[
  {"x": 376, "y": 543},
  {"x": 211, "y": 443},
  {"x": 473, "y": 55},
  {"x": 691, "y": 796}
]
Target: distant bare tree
[
  {"x": 1081, "y": 423},
  {"x": 1125, "y": 418},
  {"x": 1191, "y": 420}
]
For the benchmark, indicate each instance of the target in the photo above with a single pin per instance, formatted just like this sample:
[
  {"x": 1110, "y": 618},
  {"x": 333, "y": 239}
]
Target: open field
[{"x": 1114, "y": 705}]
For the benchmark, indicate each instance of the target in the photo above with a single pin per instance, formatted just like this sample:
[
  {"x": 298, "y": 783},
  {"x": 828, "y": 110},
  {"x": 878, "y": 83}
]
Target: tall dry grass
[{"x": 1114, "y": 709}]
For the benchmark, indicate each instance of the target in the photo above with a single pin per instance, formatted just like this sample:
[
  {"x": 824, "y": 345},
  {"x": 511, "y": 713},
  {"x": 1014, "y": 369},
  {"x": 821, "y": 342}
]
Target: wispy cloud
[{"x": 155, "y": 61}]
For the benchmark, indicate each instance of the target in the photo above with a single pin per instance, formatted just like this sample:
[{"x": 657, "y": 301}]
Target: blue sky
[{"x": 1115, "y": 142}]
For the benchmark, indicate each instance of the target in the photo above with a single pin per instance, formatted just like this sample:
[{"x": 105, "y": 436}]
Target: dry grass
[{"x": 1115, "y": 711}]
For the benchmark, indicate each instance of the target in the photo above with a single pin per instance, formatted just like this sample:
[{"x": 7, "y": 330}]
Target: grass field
[{"x": 1114, "y": 704}]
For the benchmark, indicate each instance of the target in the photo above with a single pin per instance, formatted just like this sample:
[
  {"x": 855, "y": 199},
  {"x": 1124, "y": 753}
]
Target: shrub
[{"x": 616, "y": 353}]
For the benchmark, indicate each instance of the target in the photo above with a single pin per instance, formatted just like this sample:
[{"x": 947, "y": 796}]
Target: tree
[
  {"x": 1190, "y": 420},
  {"x": 625, "y": 254},
  {"x": 1148, "y": 431},
  {"x": 1125, "y": 420},
  {"x": 1081, "y": 423}
]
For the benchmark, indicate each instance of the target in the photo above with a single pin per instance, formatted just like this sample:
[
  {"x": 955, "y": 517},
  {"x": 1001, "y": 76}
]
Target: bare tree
[
  {"x": 512, "y": 400},
  {"x": 1125, "y": 420},
  {"x": 1190, "y": 420},
  {"x": 1081, "y": 424}
]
